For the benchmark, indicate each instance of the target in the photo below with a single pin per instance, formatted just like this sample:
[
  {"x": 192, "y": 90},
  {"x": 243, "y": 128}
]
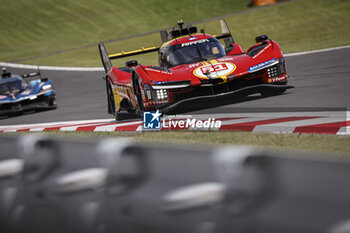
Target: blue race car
[{"x": 18, "y": 96}]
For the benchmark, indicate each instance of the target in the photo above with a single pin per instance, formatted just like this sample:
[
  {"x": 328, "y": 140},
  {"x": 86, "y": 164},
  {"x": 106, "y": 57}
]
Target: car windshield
[
  {"x": 190, "y": 53},
  {"x": 14, "y": 86}
]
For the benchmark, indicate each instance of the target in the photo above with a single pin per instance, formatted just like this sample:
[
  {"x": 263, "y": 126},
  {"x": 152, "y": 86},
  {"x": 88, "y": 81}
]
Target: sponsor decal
[
  {"x": 163, "y": 82},
  {"x": 215, "y": 70},
  {"x": 158, "y": 102},
  {"x": 192, "y": 38},
  {"x": 261, "y": 65},
  {"x": 194, "y": 42},
  {"x": 195, "y": 65},
  {"x": 226, "y": 59},
  {"x": 152, "y": 120},
  {"x": 278, "y": 79},
  {"x": 158, "y": 71}
]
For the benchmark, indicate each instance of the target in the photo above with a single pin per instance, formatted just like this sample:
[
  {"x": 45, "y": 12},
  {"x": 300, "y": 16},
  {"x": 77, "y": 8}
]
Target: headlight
[
  {"x": 155, "y": 94},
  {"x": 277, "y": 70},
  {"x": 46, "y": 87},
  {"x": 273, "y": 72},
  {"x": 281, "y": 66},
  {"x": 162, "y": 94}
]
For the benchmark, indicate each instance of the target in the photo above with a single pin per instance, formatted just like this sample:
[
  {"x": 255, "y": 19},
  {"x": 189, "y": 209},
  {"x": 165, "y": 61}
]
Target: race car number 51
[{"x": 214, "y": 70}]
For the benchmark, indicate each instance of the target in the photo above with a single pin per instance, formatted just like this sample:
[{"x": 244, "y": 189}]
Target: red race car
[{"x": 193, "y": 67}]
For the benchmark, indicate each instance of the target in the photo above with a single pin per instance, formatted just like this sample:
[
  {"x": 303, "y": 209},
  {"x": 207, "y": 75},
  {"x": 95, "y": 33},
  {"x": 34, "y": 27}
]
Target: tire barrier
[{"x": 120, "y": 185}]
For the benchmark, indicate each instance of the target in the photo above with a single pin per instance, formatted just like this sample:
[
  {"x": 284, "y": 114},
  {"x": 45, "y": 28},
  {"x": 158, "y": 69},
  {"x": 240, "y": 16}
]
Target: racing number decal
[
  {"x": 214, "y": 70},
  {"x": 215, "y": 67}
]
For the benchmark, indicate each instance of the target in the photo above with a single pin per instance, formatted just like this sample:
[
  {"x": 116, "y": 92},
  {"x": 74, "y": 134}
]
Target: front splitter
[{"x": 261, "y": 88}]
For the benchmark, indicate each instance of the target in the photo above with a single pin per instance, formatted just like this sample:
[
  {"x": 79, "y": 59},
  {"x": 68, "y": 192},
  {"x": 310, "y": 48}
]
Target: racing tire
[
  {"x": 140, "y": 108},
  {"x": 110, "y": 99},
  {"x": 112, "y": 106},
  {"x": 52, "y": 104},
  {"x": 111, "y": 103}
]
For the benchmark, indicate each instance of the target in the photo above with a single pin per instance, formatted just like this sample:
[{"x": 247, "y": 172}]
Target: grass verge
[
  {"x": 298, "y": 25},
  {"x": 302, "y": 142},
  {"x": 36, "y": 27}
]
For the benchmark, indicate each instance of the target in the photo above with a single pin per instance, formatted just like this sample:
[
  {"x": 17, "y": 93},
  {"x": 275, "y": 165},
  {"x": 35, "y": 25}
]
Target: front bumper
[
  {"x": 266, "y": 80},
  {"x": 41, "y": 102}
]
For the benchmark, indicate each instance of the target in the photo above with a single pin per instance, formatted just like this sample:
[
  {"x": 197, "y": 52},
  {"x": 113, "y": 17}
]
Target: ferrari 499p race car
[
  {"x": 17, "y": 96},
  {"x": 193, "y": 66}
]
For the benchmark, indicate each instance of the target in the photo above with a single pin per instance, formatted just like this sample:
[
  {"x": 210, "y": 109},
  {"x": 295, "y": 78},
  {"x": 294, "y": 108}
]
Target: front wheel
[
  {"x": 111, "y": 103},
  {"x": 140, "y": 108},
  {"x": 110, "y": 99},
  {"x": 51, "y": 101},
  {"x": 138, "y": 101}
]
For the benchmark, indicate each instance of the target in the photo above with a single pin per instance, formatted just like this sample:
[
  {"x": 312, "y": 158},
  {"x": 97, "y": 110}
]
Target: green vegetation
[
  {"x": 52, "y": 26},
  {"x": 37, "y": 27},
  {"x": 302, "y": 142}
]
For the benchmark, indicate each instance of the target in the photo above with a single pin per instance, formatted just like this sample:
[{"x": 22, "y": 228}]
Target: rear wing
[
  {"x": 134, "y": 52},
  {"x": 31, "y": 75},
  {"x": 165, "y": 36},
  {"x": 107, "y": 64},
  {"x": 106, "y": 58}
]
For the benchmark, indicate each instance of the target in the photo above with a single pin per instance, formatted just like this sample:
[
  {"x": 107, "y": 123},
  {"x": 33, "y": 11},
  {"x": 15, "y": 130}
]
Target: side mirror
[
  {"x": 262, "y": 38},
  {"x": 131, "y": 63}
]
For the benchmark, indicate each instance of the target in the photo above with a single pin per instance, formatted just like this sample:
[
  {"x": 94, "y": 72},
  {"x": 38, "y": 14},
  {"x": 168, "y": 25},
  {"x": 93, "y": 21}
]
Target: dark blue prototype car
[{"x": 16, "y": 95}]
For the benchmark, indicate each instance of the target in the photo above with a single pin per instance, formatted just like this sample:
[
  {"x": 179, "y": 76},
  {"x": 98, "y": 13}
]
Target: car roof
[
  {"x": 13, "y": 78},
  {"x": 187, "y": 39}
]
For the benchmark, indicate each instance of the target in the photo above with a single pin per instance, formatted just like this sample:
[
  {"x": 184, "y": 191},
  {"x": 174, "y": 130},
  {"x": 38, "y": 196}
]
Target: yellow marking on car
[
  {"x": 134, "y": 51},
  {"x": 119, "y": 93}
]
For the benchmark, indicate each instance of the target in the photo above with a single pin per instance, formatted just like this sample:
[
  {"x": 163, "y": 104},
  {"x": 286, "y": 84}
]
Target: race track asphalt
[{"x": 321, "y": 80}]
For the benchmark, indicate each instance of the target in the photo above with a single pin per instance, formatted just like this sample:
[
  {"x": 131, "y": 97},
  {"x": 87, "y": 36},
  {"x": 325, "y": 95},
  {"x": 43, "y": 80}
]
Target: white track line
[
  {"x": 59, "y": 123},
  {"x": 54, "y": 124},
  {"x": 34, "y": 130},
  {"x": 114, "y": 126},
  {"x": 105, "y": 128},
  {"x": 245, "y": 120},
  {"x": 316, "y": 51},
  {"x": 60, "y": 68},
  {"x": 289, "y": 127},
  {"x": 54, "y": 68},
  {"x": 344, "y": 131},
  {"x": 257, "y": 116},
  {"x": 284, "y": 127}
]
